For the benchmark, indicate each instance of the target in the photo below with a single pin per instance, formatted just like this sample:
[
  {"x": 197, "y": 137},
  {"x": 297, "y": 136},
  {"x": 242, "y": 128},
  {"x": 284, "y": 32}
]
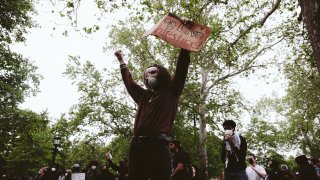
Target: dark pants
[
  {"x": 149, "y": 159},
  {"x": 235, "y": 175}
]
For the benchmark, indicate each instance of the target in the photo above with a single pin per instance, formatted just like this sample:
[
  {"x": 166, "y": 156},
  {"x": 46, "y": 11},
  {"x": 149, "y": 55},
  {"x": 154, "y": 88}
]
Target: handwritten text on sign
[{"x": 170, "y": 28}]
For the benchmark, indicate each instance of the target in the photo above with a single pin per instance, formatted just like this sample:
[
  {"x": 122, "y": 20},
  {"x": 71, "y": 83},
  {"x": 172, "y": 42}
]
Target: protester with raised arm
[{"x": 157, "y": 108}]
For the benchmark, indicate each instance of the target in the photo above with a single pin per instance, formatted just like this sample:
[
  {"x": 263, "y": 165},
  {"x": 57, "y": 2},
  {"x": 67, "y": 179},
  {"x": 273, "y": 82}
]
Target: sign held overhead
[{"x": 190, "y": 36}]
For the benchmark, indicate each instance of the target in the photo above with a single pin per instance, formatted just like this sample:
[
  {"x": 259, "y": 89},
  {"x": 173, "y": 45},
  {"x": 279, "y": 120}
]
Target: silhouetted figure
[
  {"x": 305, "y": 171},
  {"x": 233, "y": 153},
  {"x": 157, "y": 107},
  {"x": 316, "y": 164},
  {"x": 121, "y": 169},
  {"x": 180, "y": 162},
  {"x": 106, "y": 174},
  {"x": 195, "y": 172},
  {"x": 92, "y": 172},
  {"x": 275, "y": 171}
]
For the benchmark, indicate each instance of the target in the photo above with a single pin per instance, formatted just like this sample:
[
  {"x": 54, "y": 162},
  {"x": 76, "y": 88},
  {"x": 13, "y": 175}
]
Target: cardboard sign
[
  {"x": 191, "y": 36},
  {"x": 78, "y": 176}
]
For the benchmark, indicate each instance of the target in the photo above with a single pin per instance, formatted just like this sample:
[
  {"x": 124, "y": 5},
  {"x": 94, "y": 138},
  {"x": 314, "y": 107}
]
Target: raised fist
[{"x": 119, "y": 55}]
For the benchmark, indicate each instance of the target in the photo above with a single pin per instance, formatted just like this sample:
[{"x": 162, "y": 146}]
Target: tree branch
[
  {"x": 261, "y": 22},
  {"x": 245, "y": 67}
]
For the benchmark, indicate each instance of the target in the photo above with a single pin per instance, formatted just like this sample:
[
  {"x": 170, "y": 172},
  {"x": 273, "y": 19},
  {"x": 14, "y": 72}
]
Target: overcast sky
[{"x": 49, "y": 50}]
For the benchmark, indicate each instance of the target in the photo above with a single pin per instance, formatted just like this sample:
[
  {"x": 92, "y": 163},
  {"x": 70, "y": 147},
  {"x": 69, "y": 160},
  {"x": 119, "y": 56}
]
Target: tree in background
[
  {"x": 241, "y": 37},
  {"x": 310, "y": 15},
  {"x": 25, "y": 142},
  {"x": 302, "y": 107},
  {"x": 24, "y": 135},
  {"x": 298, "y": 111},
  {"x": 232, "y": 49}
]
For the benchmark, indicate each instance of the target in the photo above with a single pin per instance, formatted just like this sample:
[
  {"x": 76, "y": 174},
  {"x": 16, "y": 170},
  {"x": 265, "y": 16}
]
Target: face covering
[
  {"x": 93, "y": 167},
  {"x": 150, "y": 75},
  {"x": 228, "y": 132},
  {"x": 152, "y": 81}
]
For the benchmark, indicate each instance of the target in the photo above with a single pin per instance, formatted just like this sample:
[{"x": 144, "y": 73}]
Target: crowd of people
[
  {"x": 234, "y": 156},
  {"x": 238, "y": 165},
  {"x": 93, "y": 171},
  {"x": 181, "y": 167}
]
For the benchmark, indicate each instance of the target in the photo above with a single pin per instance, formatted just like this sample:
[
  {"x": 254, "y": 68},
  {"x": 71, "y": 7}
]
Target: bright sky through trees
[{"x": 49, "y": 49}]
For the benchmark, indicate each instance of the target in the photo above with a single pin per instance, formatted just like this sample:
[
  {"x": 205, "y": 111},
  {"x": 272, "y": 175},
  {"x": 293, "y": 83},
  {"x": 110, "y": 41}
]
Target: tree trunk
[
  {"x": 202, "y": 128},
  {"x": 311, "y": 18},
  {"x": 307, "y": 141},
  {"x": 202, "y": 147}
]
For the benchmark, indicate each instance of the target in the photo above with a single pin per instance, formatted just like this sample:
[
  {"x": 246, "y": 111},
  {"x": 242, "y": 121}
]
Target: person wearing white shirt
[{"x": 255, "y": 171}]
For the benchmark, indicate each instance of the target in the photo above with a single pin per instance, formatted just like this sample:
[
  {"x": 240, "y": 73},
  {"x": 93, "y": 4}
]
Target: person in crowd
[
  {"x": 85, "y": 169},
  {"x": 275, "y": 172},
  {"x": 180, "y": 162},
  {"x": 49, "y": 174},
  {"x": 92, "y": 172},
  {"x": 42, "y": 173},
  {"x": 105, "y": 173},
  {"x": 62, "y": 174},
  {"x": 233, "y": 152},
  {"x": 76, "y": 168},
  {"x": 156, "y": 111},
  {"x": 122, "y": 171},
  {"x": 316, "y": 164},
  {"x": 286, "y": 172},
  {"x": 305, "y": 171},
  {"x": 195, "y": 172},
  {"x": 255, "y": 171},
  {"x": 77, "y": 172},
  {"x": 68, "y": 174}
]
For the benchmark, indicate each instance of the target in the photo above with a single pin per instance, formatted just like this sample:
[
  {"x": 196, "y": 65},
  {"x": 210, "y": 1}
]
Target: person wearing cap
[
  {"x": 76, "y": 168},
  {"x": 77, "y": 173},
  {"x": 181, "y": 169},
  {"x": 233, "y": 153}
]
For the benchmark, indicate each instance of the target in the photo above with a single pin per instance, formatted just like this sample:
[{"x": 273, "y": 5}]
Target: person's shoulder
[
  {"x": 242, "y": 137},
  {"x": 259, "y": 166}
]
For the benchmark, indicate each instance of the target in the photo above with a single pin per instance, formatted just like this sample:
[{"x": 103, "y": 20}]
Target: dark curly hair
[
  {"x": 229, "y": 123},
  {"x": 164, "y": 78}
]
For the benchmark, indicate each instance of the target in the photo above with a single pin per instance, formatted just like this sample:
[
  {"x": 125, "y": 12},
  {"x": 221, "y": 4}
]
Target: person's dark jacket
[
  {"x": 106, "y": 175},
  {"x": 157, "y": 110},
  {"x": 236, "y": 160},
  {"x": 306, "y": 171},
  {"x": 122, "y": 169}
]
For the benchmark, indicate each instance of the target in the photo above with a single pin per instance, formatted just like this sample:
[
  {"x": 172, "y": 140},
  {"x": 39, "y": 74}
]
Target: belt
[{"x": 156, "y": 138}]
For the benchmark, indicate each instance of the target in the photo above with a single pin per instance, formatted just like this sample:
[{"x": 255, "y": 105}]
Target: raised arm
[
  {"x": 180, "y": 76},
  {"x": 132, "y": 87}
]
